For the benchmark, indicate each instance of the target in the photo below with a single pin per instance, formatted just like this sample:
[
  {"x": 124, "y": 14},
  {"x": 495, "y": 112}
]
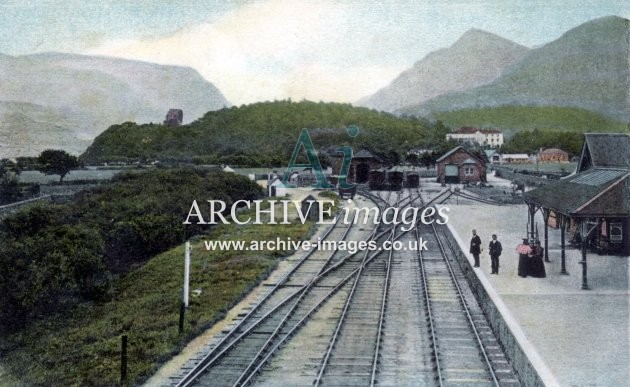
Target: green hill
[
  {"x": 516, "y": 118},
  {"x": 261, "y": 134}
]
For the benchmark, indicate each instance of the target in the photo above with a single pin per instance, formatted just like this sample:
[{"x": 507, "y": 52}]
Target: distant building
[
  {"x": 227, "y": 168},
  {"x": 490, "y": 137},
  {"x": 460, "y": 166},
  {"x": 174, "y": 117},
  {"x": 362, "y": 163},
  {"x": 515, "y": 158},
  {"x": 553, "y": 155},
  {"x": 276, "y": 187},
  {"x": 310, "y": 207},
  {"x": 493, "y": 156}
]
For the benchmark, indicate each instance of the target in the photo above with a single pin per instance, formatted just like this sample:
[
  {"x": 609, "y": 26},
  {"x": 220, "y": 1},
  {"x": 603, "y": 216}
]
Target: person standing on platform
[
  {"x": 524, "y": 251},
  {"x": 475, "y": 247},
  {"x": 495, "y": 250},
  {"x": 536, "y": 267}
]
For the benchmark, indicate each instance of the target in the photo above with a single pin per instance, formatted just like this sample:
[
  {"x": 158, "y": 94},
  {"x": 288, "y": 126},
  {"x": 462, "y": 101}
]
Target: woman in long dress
[
  {"x": 524, "y": 251},
  {"x": 536, "y": 265}
]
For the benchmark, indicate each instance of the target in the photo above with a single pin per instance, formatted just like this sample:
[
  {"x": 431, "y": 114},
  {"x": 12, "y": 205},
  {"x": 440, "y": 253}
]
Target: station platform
[{"x": 576, "y": 337}]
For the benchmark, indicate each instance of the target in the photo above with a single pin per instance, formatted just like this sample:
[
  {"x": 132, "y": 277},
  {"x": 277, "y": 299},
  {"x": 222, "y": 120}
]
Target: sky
[{"x": 278, "y": 49}]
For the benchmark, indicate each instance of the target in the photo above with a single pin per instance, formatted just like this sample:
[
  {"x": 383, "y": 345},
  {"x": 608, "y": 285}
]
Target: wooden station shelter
[{"x": 593, "y": 203}]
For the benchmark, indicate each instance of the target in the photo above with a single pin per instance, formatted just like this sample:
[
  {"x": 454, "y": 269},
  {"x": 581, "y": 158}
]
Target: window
[
  {"x": 616, "y": 232},
  {"x": 469, "y": 171}
]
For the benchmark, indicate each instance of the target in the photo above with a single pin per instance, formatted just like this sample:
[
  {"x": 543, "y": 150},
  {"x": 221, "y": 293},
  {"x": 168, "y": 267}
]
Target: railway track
[
  {"x": 370, "y": 318},
  {"x": 352, "y": 354},
  {"x": 464, "y": 348},
  {"x": 299, "y": 293}
]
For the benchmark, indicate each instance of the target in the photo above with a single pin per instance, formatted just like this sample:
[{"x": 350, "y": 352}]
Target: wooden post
[
  {"x": 586, "y": 233},
  {"x": 186, "y": 274},
  {"x": 532, "y": 214},
  {"x": 123, "y": 359},
  {"x": 182, "y": 313},
  {"x": 184, "y": 304},
  {"x": 546, "y": 213},
  {"x": 583, "y": 263},
  {"x": 563, "y": 226}
]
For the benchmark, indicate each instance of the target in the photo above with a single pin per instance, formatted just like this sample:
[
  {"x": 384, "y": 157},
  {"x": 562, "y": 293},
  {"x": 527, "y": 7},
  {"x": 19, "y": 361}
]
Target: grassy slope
[
  {"x": 266, "y": 130},
  {"x": 515, "y": 118},
  {"x": 83, "y": 347}
]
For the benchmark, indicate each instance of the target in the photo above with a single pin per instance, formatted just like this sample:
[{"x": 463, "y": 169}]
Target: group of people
[{"x": 530, "y": 261}]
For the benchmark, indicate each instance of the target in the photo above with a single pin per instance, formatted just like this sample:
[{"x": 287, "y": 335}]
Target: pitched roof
[
  {"x": 515, "y": 156},
  {"x": 552, "y": 151},
  {"x": 456, "y": 149},
  {"x": 595, "y": 192},
  {"x": 363, "y": 154},
  {"x": 490, "y": 152},
  {"x": 309, "y": 197},
  {"x": 276, "y": 182},
  {"x": 471, "y": 130},
  {"x": 605, "y": 150}
]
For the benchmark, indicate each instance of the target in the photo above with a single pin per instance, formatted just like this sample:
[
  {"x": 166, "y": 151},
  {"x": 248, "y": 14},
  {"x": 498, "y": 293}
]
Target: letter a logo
[{"x": 313, "y": 161}]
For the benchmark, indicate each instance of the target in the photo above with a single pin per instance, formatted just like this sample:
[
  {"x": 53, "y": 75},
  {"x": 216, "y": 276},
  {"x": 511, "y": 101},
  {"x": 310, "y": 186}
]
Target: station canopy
[{"x": 597, "y": 192}]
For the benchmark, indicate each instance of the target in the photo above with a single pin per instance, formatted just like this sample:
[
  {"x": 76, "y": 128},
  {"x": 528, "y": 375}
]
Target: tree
[
  {"x": 412, "y": 159},
  {"x": 56, "y": 162},
  {"x": 9, "y": 187}
]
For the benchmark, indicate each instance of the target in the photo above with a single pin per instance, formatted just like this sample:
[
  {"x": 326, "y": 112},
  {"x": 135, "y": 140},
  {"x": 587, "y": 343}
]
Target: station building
[
  {"x": 592, "y": 204},
  {"x": 460, "y": 166}
]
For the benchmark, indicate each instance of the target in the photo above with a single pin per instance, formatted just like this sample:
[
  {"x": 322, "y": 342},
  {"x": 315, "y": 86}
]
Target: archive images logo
[{"x": 313, "y": 161}]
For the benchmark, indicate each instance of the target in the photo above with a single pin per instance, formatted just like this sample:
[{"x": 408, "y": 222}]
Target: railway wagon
[
  {"x": 347, "y": 193},
  {"x": 412, "y": 180},
  {"x": 395, "y": 180},
  {"x": 377, "y": 179}
]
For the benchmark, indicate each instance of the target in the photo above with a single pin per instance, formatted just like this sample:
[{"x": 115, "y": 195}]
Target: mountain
[
  {"x": 56, "y": 100},
  {"x": 587, "y": 67},
  {"x": 475, "y": 59},
  {"x": 27, "y": 129}
]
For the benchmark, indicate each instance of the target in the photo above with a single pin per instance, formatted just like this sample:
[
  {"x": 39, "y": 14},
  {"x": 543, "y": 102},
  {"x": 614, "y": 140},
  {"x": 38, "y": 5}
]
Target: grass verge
[{"x": 82, "y": 347}]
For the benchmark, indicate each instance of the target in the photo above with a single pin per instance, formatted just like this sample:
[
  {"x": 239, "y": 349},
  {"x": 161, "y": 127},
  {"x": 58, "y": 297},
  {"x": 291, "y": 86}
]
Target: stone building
[
  {"x": 460, "y": 166},
  {"x": 553, "y": 155}
]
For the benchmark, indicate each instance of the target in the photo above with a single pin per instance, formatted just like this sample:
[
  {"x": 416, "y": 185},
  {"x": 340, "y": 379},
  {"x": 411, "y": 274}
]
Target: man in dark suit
[
  {"x": 495, "y": 251},
  {"x": 475, "y": 247}
]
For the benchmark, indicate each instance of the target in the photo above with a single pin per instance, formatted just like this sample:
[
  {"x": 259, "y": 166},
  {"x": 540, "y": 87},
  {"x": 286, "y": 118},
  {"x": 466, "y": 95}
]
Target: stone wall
[{"x": 528, "y": 373}]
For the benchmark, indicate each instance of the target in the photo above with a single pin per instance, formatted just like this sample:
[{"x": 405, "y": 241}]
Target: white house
[
  {"x": 491, "y": 137},
  {"x": 276, "y": 188}
]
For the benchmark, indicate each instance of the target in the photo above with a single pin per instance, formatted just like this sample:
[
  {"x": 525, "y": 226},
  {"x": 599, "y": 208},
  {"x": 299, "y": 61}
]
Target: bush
[
  {"x": 53, "y": 255},
  {"x": 44, "y": 269}
]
